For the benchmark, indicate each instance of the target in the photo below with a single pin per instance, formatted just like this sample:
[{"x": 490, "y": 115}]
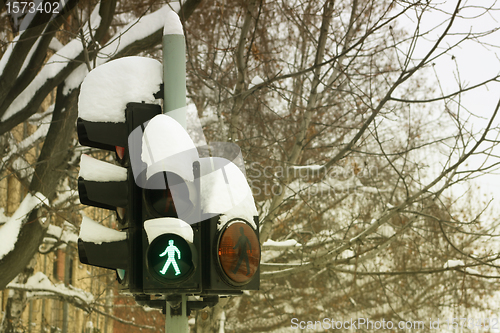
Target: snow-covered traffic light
[
  {"x": 101, "y": 246},
  {"x": 231, "y": 254},
  {"x": 105, "y": 185},
  {"x": 168, "y": 171},
  {"x": 111, "y": 105},
  {"x": 102, "y": 184},
  {"x": 171, "y": 257},
  {"x": 238, "y": 253},
  {"x": 187, "y": 224}
]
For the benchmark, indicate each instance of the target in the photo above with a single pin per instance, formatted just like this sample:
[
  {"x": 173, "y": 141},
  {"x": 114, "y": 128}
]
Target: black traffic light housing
[
  {"x": 158, "y": 204},
  {"x": 124, "y": 196},
  {"x": 189, "y": 283},
  {"x": 107, "y": 195},
  {"x": 136, "y": 114},
  {"x": 219, "y": 276},
  {"x": 111, "y": 255},
  {"x": 230, "y": 248},
  {"x": 220, "y": 259}
]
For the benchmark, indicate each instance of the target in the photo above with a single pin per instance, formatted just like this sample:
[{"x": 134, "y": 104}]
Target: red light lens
[
  {"x": 120, "y": 213},
  {"x": 120, "y": 152},
  {"x": 239, "y": 252}
]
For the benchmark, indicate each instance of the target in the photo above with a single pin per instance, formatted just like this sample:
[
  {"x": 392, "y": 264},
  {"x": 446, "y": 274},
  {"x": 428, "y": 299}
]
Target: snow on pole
[
  {"x": 174, "y": 68},
  {"x": 173, "y": 25}
]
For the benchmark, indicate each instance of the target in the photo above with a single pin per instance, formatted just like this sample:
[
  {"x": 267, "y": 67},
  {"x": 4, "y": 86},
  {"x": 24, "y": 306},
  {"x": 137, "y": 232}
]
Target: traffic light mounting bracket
[{"x": 174, "y": 302}]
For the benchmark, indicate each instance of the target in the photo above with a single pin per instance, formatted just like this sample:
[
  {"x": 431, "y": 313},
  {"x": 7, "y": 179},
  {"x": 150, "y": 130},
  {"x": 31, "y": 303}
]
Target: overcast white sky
[{"x": 474, "y": 61}]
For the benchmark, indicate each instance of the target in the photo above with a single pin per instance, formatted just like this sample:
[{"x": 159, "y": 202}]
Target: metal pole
[
  {"x": 176, "y": 319},
  {"x": 174, "y": 105},
  {"x": 174, "y": 69}
]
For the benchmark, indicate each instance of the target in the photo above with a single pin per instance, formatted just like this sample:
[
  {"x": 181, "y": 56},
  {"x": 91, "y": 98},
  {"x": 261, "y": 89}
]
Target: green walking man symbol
[{"x": 171, "y": 250}]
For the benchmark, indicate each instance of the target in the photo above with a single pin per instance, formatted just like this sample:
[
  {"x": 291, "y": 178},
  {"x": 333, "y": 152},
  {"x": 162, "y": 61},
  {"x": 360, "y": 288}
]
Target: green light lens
[
  {"x": 120, "y": 274},
  {"x": 169, "y": 258}
]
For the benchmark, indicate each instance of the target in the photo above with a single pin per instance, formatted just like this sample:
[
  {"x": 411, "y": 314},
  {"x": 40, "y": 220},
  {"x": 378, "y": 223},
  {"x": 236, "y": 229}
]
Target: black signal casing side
[{"x": 215, "y": 282}]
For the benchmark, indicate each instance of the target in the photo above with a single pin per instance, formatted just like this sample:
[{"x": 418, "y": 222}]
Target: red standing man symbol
[{"x": 241, "y": 245}]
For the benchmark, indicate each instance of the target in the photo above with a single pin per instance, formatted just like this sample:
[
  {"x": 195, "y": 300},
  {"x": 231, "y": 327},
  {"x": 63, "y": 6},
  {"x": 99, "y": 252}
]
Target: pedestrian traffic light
[
  {"x": 231, "y": 257},
  {"x": 188, "y": 224},
  {"x": 177, "y": 267},
  {"x": 171, "y": 256},
  {"x": 170, "y": 209},
  {"x": 231, "y": 249},
  {"x": 238, "y": 253}
]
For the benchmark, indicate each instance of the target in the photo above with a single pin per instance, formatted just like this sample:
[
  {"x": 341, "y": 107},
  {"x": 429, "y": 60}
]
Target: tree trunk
[
  {"x": 51, "y": 167},
  {"x": 17, "y": 302}
]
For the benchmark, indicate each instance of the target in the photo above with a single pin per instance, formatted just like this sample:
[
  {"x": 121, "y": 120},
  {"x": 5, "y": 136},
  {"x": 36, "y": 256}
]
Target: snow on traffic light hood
[{"x": 106, "y": 90}]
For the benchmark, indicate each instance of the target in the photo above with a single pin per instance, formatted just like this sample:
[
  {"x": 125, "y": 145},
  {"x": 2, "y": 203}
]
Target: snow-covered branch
[
  {"x": 66, "y": 64},
  {"x": 9, "y": 231},
  {"x": 59, "y": 237},
  {"x": 39, "y": 286}
]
